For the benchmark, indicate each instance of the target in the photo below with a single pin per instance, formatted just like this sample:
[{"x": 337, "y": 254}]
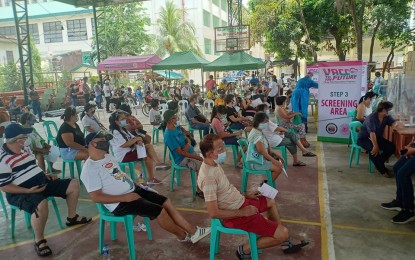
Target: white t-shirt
[
  {"x": 105, "y": 175},
  {"x": 186, "y": 91},
  {"x": 274, "y": 89},
  {"x": 154, "y": 116},
  {"x": 107, "y": 90},
  {"x": 117, "y": 141},
  {"x": 91, "y": 122},
  {"x": 273, "y": 138}
]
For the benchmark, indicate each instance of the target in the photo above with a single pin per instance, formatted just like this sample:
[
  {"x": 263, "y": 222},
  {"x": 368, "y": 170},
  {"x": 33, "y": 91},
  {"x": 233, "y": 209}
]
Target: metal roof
[{"x": 97, "y": 3}]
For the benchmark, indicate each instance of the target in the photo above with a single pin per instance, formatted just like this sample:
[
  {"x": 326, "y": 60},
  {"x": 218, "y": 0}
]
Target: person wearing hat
[
  {"x": 180, "y": 144},
  {"x": 91, "y": 123},
  {"x": 107, "y": 184},
  {"x": 364, "y": 109},
  {"x": 38, "y": 146},
  {"x": 301, "y": 96},
  {"x": 28, "y": 187}
]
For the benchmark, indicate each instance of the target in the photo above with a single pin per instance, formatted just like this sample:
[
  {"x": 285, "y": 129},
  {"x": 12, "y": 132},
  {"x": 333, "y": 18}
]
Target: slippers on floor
[
  {"x": 291, "y": 248},
  {"x": 309, "y": 154},
  {"x": 299, "y": 163}
]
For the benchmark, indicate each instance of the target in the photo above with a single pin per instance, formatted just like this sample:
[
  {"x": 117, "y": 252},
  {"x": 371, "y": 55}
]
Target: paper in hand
[{"x": 268, "y": 191}]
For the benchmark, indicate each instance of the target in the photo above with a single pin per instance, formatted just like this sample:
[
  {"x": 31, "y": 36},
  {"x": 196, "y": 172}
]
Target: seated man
[
  {"x": 279, "y": 136},
  {"x": 371, "y": 137},
  {"x": 196, "y": 119},
  {"x": 106, "y": 184},
  {"x": 225, "y": 202},
  {"x": 180, "y": 144},
  {"x": 28, "y": 187}
]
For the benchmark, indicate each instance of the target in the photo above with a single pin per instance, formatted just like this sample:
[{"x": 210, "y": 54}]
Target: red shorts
[
  {"x": 131, "y": 156},
  {"x": 257, "y": 223}
]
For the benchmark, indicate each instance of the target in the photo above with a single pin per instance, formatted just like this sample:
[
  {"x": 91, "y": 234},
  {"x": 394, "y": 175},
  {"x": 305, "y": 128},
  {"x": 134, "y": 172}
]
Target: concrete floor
[{"x": 333, "y": 206}]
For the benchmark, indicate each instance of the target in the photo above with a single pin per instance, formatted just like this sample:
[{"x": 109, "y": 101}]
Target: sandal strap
[
  {"x": 43, "y": 241},
  {"x": 73, "y": 219}
]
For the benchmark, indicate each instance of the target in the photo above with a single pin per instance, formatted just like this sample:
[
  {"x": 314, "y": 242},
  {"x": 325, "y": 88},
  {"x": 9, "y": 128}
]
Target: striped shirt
[
  {"x": 19, "y": 169},
  {"x": 216, "y": 186}
]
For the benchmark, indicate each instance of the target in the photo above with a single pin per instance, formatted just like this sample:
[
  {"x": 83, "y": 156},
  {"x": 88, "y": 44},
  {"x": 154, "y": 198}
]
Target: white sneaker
[
  {"x": 186, "y": 239},
  {"x": 200, "y": 233}
]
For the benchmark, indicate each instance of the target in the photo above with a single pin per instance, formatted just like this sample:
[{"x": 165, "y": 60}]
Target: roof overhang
[{"x": 97, "y": 3}]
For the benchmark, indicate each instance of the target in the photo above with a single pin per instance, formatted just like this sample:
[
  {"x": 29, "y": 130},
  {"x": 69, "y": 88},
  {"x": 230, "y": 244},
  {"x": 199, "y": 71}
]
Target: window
[
  {"x": 9, "y": 57},
  {"x": 224, "y": 23},
  {"x": 7, "y": 2},
  {"x": 52, "y": 32},
  {"x": 77, "y": 30},
  {"x": 216, "y": 2},
  {"x": 208, "y": 46},
  {"x": 206, "y": 18},
  {"x": 216, "y": 21},
  {"x": 93, "y": 26},
  {"x": 8, "y": 31},
  {"x": 34, "y": 32},
  {"x": 224, "y": 5}
]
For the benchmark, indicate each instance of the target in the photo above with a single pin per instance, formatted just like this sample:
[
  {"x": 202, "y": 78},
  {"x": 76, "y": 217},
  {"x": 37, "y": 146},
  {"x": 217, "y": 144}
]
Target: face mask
[
  {"x": 222, "y": 117},
  {"x": 103, "y": 145},
  {"x": 177, "y": 123},
  {"x": 32, "y": 121},
  {"x": 267, "y": 111},
  {"x": 221, "y": 158},
  {"x": 263, "y": 126},
  {"x": 123, "y": 123}
]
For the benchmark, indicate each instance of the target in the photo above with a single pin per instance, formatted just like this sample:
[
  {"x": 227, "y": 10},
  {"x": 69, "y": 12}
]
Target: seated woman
[
  {"x": 70, "y": 139},
  {"x": 247, "y": 109},
  {"x": 236, "y": 122},
  {"x": 218, "y": 118},
  {"x": 279, "y": 136},
  {"x": 285, "y": 119},
  {"x": 90, "y": 122},
  {"x": 364, "y": 108},
  {"x": 272, "y": 161},
  {"x": 124, "y": 145},
  {"x": 38, "y": 146},
  {"x": 13, "y": 108}
]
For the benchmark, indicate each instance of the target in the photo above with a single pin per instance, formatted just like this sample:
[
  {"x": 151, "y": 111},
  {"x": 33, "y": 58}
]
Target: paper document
[
  {"x": 285, "y": 172},
  {"x": 268, "y": 191}
]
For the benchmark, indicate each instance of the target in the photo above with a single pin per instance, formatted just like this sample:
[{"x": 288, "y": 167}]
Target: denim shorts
[{"x": 68, "y": 153}]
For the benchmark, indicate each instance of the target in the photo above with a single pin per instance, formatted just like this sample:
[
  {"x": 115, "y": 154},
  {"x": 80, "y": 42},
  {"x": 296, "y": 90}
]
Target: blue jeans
[
  {"x": 205, "y": 127},
  {"x": 237, "y": 126},
  {"x": 98, "y": 99},
  {"x": 74, "y": 101},
  {"x": 36, "y": 108},
  {"x": 403, "y": 169}
]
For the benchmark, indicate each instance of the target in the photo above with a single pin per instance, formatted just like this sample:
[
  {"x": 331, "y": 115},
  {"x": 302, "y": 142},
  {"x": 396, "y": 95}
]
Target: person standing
[
  {"x": 74, "y": 94},
  {"x": 210, "y": 83},
  {"x": 86, "y": 90},
  {"x": 254, "y": 82},
  {"x": 98, "y": 94},
  {"x": 107, "y": 94},
  {"x": 34, "y": 97},
  {"x": 273, "y": 91},
  {"x": 378, "y": 79},
  {"x": 301, "y": 96}
]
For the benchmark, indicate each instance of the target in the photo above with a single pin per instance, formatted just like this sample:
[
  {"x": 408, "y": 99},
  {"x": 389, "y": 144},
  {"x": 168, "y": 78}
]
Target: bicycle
[{"x": 146, "y": 106}]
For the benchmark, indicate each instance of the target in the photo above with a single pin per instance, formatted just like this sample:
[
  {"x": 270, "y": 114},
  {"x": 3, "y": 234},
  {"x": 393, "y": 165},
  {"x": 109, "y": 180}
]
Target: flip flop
[
  {"x": 74, "y": 221},
  {"x": 293, "y": 248},
  {"x": 309, "y": 154},
  {"x": 299, "y": 163}
]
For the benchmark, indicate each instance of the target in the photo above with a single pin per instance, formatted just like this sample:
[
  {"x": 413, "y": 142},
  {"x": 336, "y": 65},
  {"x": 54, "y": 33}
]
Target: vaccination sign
[{"x": 340, "y": 88}]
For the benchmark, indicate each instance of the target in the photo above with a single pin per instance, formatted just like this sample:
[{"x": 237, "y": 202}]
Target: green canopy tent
[{"x": 234, "y": 61}]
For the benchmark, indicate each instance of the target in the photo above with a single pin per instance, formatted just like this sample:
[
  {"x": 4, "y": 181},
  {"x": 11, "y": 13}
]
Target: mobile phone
[
  {"x": 404, "y": 151},
  {"x": 275, "y": 156}
]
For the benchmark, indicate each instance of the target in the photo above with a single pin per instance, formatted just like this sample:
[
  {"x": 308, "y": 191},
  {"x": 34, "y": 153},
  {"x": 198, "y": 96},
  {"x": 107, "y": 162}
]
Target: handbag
[{"x": 252, "y": 155}]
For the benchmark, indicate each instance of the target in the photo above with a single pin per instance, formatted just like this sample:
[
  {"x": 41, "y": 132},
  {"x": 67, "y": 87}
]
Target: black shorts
[
  {"x": 29, "y": 202},
  {"x": 149, "y": 205}
]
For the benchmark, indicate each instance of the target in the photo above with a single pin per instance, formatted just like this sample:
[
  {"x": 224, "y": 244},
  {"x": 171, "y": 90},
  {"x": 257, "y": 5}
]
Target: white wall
[{"x": 8, "y": 45}]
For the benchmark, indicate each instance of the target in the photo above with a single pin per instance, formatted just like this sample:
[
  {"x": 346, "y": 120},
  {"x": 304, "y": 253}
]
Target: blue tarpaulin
[{"x": 169, "y": 74}]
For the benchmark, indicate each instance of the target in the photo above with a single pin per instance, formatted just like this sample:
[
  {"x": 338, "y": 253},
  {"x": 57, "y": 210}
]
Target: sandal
[
  {"x": 293, "y": 248},
  {"x": 44, "y": 250},
  {"x": 299, "y": 163},
  {"x": 200, "y": 194},
  {"x": 74, "y": 221},
  {"x": 309, "y": 154}
]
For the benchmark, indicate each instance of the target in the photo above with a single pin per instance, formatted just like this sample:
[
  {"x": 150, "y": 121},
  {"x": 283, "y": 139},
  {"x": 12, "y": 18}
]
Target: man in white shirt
[
  {"x": 107, "y": 94},
  {"x": 186, "y": 91},
  {"x": 106, "y": 184},
  {"x": 273, "y": 91}
]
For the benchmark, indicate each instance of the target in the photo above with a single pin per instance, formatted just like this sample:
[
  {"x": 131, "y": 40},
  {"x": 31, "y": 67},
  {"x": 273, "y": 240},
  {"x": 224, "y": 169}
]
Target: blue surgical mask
[
  {"x": 267, "y": 111},
  {"x": 123, "y": 123},
  {"x": 221, "y": 158},
  {"x": 263, "y": 126},
  {"x": 177, "y": 123},
  {"x": 32, "y": 121}
]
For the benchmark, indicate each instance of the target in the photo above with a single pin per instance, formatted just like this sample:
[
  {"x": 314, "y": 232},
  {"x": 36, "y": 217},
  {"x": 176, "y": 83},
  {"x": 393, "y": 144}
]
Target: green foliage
[
  {"x": 175, "y": 33},
  {"x": 11, "y": 77},
  {"x": 36, "y": 62},
  {"x": 122, "y": 31}
]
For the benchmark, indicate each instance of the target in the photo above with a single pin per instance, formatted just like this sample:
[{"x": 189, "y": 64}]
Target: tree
[
  {"x": 36, "y": 62},
  {"x": 175, "y": 32},
  {"x": 122, "y": 31},
  {"x": 12, "y": 78}
]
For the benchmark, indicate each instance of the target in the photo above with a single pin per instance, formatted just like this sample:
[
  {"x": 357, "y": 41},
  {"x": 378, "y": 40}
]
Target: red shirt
[{"x": 209, "y": 84}]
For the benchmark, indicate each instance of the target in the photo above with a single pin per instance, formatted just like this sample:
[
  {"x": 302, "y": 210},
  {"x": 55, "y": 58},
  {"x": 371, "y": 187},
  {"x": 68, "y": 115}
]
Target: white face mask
[
  {"x": 267, "y": 111},
  {"x": 221, "y": 158},
  {"x": 263, "y": 126}
]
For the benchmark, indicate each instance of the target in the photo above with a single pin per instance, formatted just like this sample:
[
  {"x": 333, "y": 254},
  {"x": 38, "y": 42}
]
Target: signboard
[
  {"x": 340, "y": 88},
  {"x": 232, "y": 38}
]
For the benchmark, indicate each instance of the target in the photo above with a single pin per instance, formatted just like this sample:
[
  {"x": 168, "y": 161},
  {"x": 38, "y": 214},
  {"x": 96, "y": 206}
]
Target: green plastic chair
[
  {"x": 128, "y": 220},
  {"x": 47, "y": 126},
  {"x": 247, "y": 169},
  {"x": 277, "y": 119},
  {"x": 352, "y": 113},
  {"x": 176, "y": 172},
  {"x": 283, "y": 150},
  {"x": 355, "y": 148},
  {"x": 234, "y": 150},
  {"x": 3, "y": 205},
  {"x": 217, "y": 228},
  {"x": 72, "y": 164},
  {"x": 27, "y": 216},
  {"x": 156, "y": 132},
  {"x": 131, "y": 168}
]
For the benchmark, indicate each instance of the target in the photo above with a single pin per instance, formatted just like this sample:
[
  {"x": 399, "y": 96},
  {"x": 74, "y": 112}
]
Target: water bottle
[
  {"x": 106, "y": 252},
  {"x": 137, "y": 228}
]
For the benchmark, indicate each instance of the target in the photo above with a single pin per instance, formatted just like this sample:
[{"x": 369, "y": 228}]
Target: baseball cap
[
  {"x": 13, "y": 130},
  {"x": 169, "y": 114},
  {"x": 101, "y": 134}
]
